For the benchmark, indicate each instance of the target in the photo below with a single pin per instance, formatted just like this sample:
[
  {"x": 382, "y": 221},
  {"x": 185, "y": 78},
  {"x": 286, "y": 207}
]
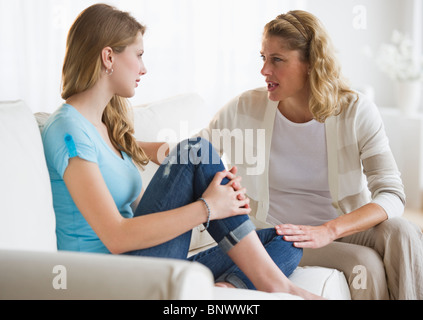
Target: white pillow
[
  {"x": 27, "y": 219},
  {"x": 326, "y": 282},
  {"x": 172, "y": 119}
]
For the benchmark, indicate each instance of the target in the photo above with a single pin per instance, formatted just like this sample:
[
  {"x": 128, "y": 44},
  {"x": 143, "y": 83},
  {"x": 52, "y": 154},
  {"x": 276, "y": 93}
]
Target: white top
[
  {"x": 361, "y": 166},
  {"x": 298, "y": 180}
]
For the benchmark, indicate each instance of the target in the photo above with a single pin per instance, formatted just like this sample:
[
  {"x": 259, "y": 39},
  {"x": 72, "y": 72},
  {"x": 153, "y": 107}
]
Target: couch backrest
[
  {"x": 171, "y": 120},
  {"x": 27, "y": 220}
]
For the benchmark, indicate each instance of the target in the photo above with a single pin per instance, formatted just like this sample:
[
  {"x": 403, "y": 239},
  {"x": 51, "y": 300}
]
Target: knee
[
  {"x": 296, "y": 253},
  {"x": 196, "y": 143},
  {"x": 197, "y": 150},
  {"x": 290, "y": 251},
  {"x": 367, "y": 259},
  {"x": 284, "y": 253},
  {"x": 366, "y": 275},
  {"x": 398, "y": 230},
  {"x": 362, "y": 266},
  {"x": 291, "y": 255},
  {"x": 191, "y": 145}
]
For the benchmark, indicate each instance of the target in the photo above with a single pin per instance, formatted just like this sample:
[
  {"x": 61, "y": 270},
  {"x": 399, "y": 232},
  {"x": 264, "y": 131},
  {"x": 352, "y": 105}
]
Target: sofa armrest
[{"x": 64, "y": 275}]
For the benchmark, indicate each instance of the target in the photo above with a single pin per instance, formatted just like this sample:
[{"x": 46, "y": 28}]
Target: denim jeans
[{"x": 182, "y": 179}]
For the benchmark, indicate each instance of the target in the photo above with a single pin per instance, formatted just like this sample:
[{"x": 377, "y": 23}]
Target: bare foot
[
  {"x": 297, "y": 291},
  {"x": 224, "y": 285},
  {"x": 294, "y": 290}
]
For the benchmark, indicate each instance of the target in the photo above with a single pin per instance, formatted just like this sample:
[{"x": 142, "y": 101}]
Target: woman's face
[
  {"x": 128, "y": 68},
  {"x": 286, "y": 75}
]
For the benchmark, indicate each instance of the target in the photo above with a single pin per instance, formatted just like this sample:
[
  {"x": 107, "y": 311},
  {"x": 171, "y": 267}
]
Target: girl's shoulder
[
  {"x": 64, "y": 123},
  {"x": 66, "y": 119}
]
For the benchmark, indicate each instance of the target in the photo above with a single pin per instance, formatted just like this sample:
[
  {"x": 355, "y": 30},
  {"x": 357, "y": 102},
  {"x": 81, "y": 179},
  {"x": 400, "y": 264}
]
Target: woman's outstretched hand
[
  {"x": 227, "y": 200},
  {"x": 305, "y": 236}
]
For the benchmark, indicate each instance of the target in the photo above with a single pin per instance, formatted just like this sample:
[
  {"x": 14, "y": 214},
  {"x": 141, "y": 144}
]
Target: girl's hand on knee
[
  {"x": 236, "y": 184},
  {"x": 224, "y": 201}
]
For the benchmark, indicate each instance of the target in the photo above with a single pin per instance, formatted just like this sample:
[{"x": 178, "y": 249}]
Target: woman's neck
[
  {"x": 91, "y": 104},
  {"x": 295, "y": 110}
]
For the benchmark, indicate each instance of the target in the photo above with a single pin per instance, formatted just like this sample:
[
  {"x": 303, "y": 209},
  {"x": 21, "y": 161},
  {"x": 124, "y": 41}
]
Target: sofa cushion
[
  {"x": 325, "y": 282},
  {"x": 26, "y": 206}
]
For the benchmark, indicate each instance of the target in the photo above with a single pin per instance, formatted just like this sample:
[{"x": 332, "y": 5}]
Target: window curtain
[{"x": 206, "y": 46}]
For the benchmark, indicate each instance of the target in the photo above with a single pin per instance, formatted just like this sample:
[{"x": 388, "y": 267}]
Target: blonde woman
[
  {"x": 331, "y": 184},
  {"x": 93, "y": 162}
]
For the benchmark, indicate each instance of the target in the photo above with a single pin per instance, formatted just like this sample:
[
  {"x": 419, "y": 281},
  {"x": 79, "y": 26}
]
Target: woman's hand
[
  {"x": 306, "y": 236},
  {"x": 356, "y": 221},
  {"x": 226, "y": 200}
]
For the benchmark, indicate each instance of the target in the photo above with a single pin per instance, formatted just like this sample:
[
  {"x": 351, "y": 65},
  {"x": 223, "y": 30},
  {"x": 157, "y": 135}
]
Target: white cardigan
[{"x": 361, "y": 166}]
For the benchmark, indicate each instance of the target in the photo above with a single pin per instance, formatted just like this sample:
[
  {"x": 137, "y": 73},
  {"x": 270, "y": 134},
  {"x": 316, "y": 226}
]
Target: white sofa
[{"x": 32, "y": 268}]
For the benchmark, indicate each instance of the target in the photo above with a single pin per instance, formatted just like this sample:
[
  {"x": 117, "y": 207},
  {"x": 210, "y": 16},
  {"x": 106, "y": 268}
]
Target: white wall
[
  {"x": 208, "y": 46},
  {"x": 353, "y": 37}
]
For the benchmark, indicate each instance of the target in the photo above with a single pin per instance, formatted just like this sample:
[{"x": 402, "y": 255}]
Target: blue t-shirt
[{"x": 68, "y": 134}]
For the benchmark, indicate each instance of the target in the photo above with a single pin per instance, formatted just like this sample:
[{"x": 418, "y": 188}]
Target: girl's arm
[
  {"x": 90, "y": 194},
  {"x": 134, "y": 205},
  {"x": 156, "y": 151}
]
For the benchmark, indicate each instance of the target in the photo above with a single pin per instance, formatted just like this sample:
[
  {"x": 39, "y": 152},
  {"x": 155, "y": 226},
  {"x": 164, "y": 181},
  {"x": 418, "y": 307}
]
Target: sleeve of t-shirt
[{"x": 65, "y": 140}]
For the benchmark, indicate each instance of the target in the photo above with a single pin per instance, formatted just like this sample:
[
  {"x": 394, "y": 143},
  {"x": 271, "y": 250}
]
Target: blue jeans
[{"x": 182, "y": 179}]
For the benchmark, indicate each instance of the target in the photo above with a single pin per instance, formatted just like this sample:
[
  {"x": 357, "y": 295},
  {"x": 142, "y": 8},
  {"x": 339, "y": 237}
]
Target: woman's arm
[
  {"x": 359, "y": 220},
  {"x": 383, "y": 179},
  {"x": 90, "y": 194}
]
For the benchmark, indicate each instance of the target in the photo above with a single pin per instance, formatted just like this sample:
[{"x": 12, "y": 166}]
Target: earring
[{"x": 109, "y": 72}]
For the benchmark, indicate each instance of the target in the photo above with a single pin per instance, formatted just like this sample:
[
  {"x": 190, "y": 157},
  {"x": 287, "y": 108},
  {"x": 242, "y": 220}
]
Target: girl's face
[
  {"x": 128, "y": 68},
  {"x": 286, "y": 75}
]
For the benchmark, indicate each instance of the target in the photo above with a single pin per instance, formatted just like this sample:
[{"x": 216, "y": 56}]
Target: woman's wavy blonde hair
[
  {"x": 302, "y": 31},
  {"x": 97, "y": 27}
]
